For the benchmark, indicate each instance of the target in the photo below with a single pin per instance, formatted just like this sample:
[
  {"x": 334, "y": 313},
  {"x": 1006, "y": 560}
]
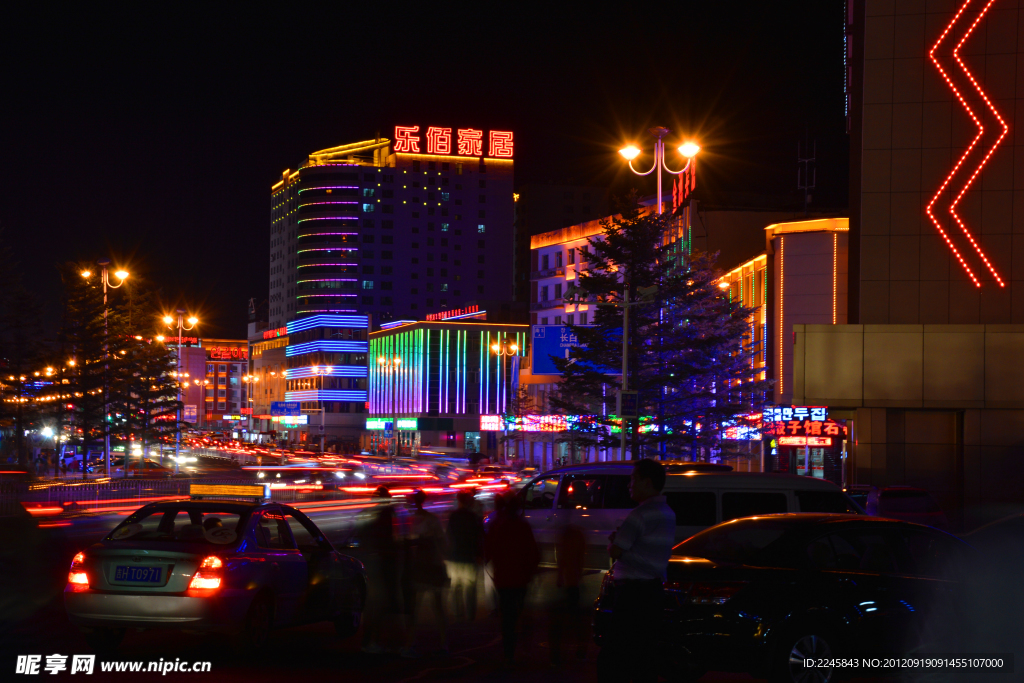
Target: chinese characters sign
[
  {"x": 467, "y": 141},
  {"x": 227, "y": 353}
]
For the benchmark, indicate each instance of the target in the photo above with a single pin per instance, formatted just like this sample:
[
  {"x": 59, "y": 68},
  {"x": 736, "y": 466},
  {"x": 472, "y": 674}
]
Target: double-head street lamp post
[
  {"x": 250, "y": 381},
  {"x": 504, "y": 349},
  {"x": 688, "y": 150},
  {"x": 121, "y": 276},
  {"x": 320, "y": 372},
  {"x": 169, "y": 320},
  {"x": 392, "y": 364}
]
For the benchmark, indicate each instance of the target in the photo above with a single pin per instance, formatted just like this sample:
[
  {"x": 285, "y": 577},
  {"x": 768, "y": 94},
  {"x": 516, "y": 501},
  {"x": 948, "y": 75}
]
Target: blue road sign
[
  {"x": 550, "y": 340},
  {"x": 285, "y": 408}
]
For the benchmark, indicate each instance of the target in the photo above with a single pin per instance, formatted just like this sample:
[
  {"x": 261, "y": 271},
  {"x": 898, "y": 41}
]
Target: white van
[{"x": 596, "y": 497}]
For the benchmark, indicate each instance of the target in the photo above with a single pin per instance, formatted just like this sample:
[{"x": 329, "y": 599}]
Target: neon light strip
[
  {"x": 329, "y": 218},
  {"x": 318, "y": 234},
  {"x": 329, "y": 187},
  {"x": 835, "y": 262},
  {"x": 325, "y": 346},
  {"x": 396, "y": 323},
  {"x": 782, "y": 298},
  {"x": 467, "y": 315},
  {"x": 956, "y": 167},
  {"x": 358, "y": 321},
  {"x": 327, "y": 310},
  {"x": 1006, "y": 129},
  {"x": 327, "y": 371},
  {"x": 325, "y": 203},
  {"x": 325, "y": 395}
]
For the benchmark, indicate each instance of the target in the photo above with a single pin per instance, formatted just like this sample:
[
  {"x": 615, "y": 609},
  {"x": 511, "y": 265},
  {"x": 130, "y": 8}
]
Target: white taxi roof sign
[{"x": 257, "y": 493}]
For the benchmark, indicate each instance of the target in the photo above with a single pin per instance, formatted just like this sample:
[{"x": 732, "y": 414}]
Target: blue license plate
[{"x": 138, "y": 574}]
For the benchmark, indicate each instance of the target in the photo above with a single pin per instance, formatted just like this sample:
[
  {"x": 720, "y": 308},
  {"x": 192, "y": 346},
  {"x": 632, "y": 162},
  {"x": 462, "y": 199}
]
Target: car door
[
  {"x": 538, "y": 500},
  {"x": 579, "y": 503},
  {"x": 320, "y": 598},
  {"x": 289, "y": 575}
]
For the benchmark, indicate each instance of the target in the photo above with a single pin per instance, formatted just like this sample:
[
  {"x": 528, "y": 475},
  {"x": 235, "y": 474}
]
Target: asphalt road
[{"x": 32, "y": 622}]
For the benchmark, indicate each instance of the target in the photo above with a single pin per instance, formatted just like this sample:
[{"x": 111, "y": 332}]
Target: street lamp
[
  {"x": 191, "y": 321},
  {"x": 688, "y": 149},
  {"x": 121, "y": 276},
  {"x": 392, "y": 364},
  {"x": 503, "y": 349},
  {"x": 250, "y": 380},
  {"x": 320, "y": 372}
]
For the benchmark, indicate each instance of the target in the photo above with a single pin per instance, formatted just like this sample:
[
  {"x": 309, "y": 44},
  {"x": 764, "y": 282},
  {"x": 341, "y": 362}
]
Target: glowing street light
[
  {"x": 192, "y": 322},
  {"x": 688, "y": 149},
  {"x": 392, "y": 363}
]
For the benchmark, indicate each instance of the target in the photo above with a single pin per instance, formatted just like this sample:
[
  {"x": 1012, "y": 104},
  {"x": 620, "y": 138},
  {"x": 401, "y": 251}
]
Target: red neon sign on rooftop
[{"x": 468, "y": 141}]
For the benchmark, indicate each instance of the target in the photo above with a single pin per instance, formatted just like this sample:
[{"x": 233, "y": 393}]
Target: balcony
[
  {"x": 550, "y": 303},
  {"x": 550, "y": 272}
]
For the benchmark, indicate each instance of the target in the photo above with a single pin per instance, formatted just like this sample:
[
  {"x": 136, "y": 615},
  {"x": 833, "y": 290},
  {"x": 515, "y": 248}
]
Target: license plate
[{"x": 138, "y": 574}]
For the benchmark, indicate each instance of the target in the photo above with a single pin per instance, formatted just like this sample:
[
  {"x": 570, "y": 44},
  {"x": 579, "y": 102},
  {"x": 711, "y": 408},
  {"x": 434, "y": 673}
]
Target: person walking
[
  {"x": 377, "y": 537},
  {"x": 512, "y": 552},
  {"x": 640, "y": 548},
  {"x": 427, "y": 576},
  {"x": 465, "y": 552}
]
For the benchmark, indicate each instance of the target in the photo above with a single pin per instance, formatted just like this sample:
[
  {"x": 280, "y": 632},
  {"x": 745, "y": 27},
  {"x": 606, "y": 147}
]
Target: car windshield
[
  {"x": 181, "y": 524},
  {"x": 738, "y": 542},
  {"x": 906, "y": 501}
]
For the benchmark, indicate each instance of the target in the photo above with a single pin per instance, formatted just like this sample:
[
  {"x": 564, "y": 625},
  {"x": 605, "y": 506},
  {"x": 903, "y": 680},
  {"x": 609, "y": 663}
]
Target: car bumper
[{"x": 223, "y": 613}]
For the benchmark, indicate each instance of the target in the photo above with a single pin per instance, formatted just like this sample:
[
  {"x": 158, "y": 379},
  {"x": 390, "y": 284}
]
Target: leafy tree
[{"x": 689, "y": 353}]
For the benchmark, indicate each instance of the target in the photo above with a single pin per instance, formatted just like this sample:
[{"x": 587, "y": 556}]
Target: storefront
[{"x": 804, "y": 440}]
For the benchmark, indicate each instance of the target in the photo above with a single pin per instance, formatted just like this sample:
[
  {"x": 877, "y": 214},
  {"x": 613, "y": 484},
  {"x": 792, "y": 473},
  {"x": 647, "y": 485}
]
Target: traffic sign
[
  {"x": 627, "y": 403},
  {"x": 285, "y": 408},
  {"x": 389, "y": 430}
]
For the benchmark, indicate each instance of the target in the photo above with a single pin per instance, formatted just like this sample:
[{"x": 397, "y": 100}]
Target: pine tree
[{"x": 689, "y": 352}]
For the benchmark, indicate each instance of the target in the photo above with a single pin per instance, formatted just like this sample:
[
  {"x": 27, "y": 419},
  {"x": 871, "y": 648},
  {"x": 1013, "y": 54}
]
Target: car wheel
[
  {"x": 799, "y": 646},
  {"x": 256, "y": 627},
  {"x": 347, "y": 625},
  {"x": 103, "y": 640}
]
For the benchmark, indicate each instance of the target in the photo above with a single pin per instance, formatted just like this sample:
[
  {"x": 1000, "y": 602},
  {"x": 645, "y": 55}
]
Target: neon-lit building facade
[
  {"x": 447, "y": 378},
  {"x": 928, "y": 365},
  {"x": 393, "y": 228}
]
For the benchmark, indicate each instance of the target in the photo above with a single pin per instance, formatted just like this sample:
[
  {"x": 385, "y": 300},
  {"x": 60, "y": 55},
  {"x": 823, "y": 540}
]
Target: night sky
[{"x": 151, "y": 133}]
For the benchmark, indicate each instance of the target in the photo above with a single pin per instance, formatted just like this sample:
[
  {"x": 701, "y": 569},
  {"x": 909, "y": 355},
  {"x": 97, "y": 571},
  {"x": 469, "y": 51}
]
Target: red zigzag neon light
[{"x": 970, "y": 148}]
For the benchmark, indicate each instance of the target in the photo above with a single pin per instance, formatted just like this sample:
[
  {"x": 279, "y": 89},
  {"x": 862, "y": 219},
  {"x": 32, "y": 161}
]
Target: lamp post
[
  {"x": 202, "y": 384},
  {"x": 250, "y": 381},
  {"x": 504, "y": 349},
  {"x": 392, "y": 364},
  {"x": 687, "y": 149},
  {"x": 121, "y": 276},
  {"x": 192, "y": 321}
]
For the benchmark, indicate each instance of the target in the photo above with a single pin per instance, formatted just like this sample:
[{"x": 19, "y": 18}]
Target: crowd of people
[{"x": 415, "y": 563}]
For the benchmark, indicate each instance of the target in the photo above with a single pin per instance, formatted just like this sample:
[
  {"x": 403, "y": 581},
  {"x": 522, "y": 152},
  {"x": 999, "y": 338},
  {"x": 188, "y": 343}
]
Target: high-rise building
[{"x": 394, "y": 228}]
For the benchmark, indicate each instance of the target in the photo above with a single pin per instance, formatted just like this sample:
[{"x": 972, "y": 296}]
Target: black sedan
[{"x": 762, "y": 594}]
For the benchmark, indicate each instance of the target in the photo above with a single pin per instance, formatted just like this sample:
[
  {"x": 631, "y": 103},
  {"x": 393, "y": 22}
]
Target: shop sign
[
  {"x": 805, "y": 428},
  {"x": 274, "y": 334},
  {"x": 788, "y": 413},
  {"x": 291, "y": 420},
  {"x": 407, "y": 423},
  {"x": 805, "y": 441},
  {"x": 227, "y": 352},
  {"x": 446, "y": 141}
]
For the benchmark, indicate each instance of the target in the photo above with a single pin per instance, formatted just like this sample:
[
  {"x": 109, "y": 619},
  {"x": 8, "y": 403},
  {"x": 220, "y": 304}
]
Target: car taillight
[
  {"x": 77, "y": 576},
  {"x": 208, "y": 575},
  {"x": 714, "y": 593}
]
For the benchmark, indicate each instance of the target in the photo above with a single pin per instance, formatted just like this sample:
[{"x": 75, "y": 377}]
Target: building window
[
  {"x": 367, "y": 300},
  {"x": 368, "y": 208},
  {"x": 444, "y": 287},
  {"x": 222, "y": 393},
  {"x": 367, "y": 239},
  {"x": 367, "y": 284},
  {"x": 220, "y": 405},
  {"x": 415, "y": 260},
  {"x": 481, "y": 228},
  {"x": 444, "y": 196},
  {"x": 482, "y": 199},
  {"x": 387, "y": 208},
  {"x": 444, "y": 227},
  {"x": 571, "y": 257},
  {"x": 481, "y": 214},
  {"x": 386, "y": 254},
  {"x": 368, "y": 191},
  {"x": 222, "y": 368},
  {"x": 479, "y": 275},
  {"x": 385, "y": 284},
  {"x": 558, "y": 320},
  {"x": 544, "y": 293},
  {"x": 544, "y": 262},
  {"x": 558, "y": 291},
  {"x": 430, "y": 241},
  {"x": 432, "y": 165},
  {"x": 387, "y": 225},
  {"x": 543, "y": 321},
  {"x": 209, "y": 369},
  {"x": 558, "y": 260},
  {"x": 480, "y": 289},
  {"x": 385, "y": 301},
  {"x": 387, "y": 239},
  {"x": 416, "y": 166},
  {"x": 480, "y": 244},
  {"x": 386, "y": 270}
]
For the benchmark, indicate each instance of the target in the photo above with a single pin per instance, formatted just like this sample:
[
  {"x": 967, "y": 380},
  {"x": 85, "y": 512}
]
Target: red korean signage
[
  {"x": 467, "y": 142},
  {"x": 275, "y": 333},
  {"x": 227, "y": 352}
]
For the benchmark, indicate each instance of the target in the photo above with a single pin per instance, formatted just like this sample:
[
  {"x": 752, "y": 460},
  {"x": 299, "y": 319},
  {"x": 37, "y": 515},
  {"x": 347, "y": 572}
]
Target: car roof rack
[{"x": 252, "y": 493}]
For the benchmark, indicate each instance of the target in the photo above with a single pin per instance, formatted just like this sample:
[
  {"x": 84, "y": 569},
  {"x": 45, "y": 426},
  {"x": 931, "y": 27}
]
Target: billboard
[{"x": 550, "y": 340}]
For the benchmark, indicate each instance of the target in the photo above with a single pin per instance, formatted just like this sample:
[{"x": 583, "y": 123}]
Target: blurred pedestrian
[
  {"x": 641, "y": 548},
  {"x": 567, "y": 615},
  {"x": 465, "y": 553},
  {"x": 426, "y": 574},
  {"x": 377, "y": 538},
  {"x": 513, "y": 554},
  {"x": 63, "y": 468}
]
